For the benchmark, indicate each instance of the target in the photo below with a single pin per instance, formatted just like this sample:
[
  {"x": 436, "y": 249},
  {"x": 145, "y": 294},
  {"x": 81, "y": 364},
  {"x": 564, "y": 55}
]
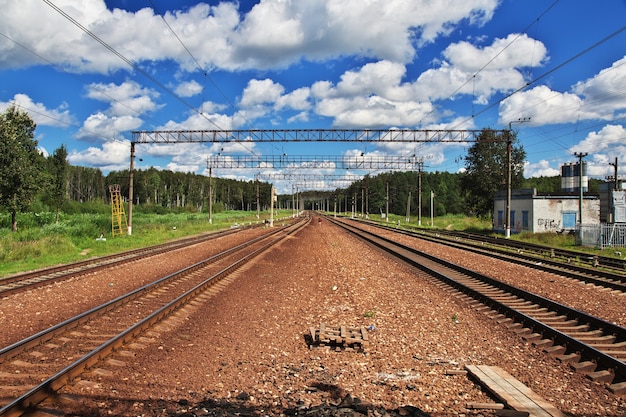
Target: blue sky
[{"x": 318, "y": 64}]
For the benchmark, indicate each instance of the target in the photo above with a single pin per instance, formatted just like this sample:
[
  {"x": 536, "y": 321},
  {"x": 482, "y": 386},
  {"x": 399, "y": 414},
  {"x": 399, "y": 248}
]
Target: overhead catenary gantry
[
  {"x": 305, "y": 135},
  {"x": 347, "y": 162},
  {"x": 301, "y": 135}
]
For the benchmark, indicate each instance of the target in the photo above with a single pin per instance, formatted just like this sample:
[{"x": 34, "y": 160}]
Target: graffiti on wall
[{"x": 549, "y": 224}]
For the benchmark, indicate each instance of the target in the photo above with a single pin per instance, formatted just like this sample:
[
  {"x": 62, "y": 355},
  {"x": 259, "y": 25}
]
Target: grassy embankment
[{"x": 40, "y": 242}]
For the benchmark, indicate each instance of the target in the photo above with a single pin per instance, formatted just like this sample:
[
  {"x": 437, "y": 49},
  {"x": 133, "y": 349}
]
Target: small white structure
[{"x": 531, "y": 212}]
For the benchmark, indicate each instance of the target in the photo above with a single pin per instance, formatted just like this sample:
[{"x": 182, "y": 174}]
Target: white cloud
[
  {"x": 600, "y": 97},
  {"x": 543, "y": 106},
  {"x": 596, "y": 142},
  {"x": 188, "y": 89},
  {"x": 126, "y": 99},
  {"x": 382, "y": 78},
  {"x": 540, "y": 169},
  {"x": 42, "y": 116},
  {"x": 261, "y": 92},
  {"x": 113, "y": 155},
  {"x": 273, "y": 34},
  {"x": 606, "y": 92},
  {"x": 602, "y": 148},
  {"x": 481, "y": 71},
  {"x": 514, "y": 51},
  {"x": 100, "y": 126},
  {"x": 297, "y": 100}
]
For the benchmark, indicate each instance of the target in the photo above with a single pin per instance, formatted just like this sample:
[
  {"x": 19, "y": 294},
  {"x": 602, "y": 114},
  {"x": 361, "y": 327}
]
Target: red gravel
[{"x": 245, "y": 345}]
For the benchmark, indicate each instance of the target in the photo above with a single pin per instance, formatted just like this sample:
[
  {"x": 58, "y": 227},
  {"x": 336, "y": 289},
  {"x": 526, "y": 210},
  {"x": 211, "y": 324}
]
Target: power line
[
  {"x": 473, "y": 77},
  {"x": 113, "y": 99},
  {"x": 558, "y": 67},
  {"x": 128, "y": 61}
]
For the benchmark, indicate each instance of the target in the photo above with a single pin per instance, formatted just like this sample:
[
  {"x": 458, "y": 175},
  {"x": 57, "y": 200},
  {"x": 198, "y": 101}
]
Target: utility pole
[
  {"x": 387, "y": 203},
  {"x": 130, "y": 189},
  {"x": 580, "y": 156},
  {"x": 211, "y": 194},
  {"x": 509, "y": 169}
]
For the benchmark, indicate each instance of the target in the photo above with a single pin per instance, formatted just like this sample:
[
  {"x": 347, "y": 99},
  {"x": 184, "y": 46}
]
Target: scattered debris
[{"x": 339, "y": 338}]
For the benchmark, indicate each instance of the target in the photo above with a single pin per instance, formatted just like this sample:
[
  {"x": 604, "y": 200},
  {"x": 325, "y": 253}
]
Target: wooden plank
[
  {"x": 530, "y": 393},
  {"x": 484, "y": 406},
  {"x": 512, "y": 392},
  {"x": 364, "y": 335},
  {"x": 500, "y": 389}
]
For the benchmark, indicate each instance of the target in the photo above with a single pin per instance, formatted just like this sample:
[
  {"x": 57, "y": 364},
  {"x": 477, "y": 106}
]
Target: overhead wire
[
  {"x": 95, "y": 87},
  {"x": 544, "y": 75},
  {"x": 204, "y": 73},
  {"x": 493, "y": 58},
  {"x": 128, "y": 61}
]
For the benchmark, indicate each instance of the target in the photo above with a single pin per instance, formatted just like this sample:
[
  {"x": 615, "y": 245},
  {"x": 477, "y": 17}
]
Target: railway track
[
  {"x": 533, "y": 256},
  {"x": 614, "y": 264},
  {"x": 37, "y": 367},
  {"x": 589, "y": 344},
  {"x": 611, "y": 264},
  {"x": 29, "y": 280}
]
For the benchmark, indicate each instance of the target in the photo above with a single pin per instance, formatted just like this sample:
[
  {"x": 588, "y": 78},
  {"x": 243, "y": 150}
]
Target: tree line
[{"x": 27, "y": 178}]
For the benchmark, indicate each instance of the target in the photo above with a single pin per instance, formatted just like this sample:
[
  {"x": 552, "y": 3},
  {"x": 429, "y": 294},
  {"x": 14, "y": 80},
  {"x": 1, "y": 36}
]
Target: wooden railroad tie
[{"x": 339, "y": 338}]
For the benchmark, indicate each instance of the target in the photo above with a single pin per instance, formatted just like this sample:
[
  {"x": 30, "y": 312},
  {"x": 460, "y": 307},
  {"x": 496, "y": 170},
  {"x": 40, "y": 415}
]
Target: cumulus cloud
[
  {"x": 113, "y": 155},
  {"x": 261, "y": 92},
  {"x": 272, "y": 34},
  {"x": 544, "y": 106},
  {"x": 126, "y": 99},
  {"x": 601, "y": 97},
  {"x": 541, "y": 168},
  {"x": 188, "y": 89},
  {"x": 41, "y": 115},
  {"x": 605, "y": 91},
  {"x": 481, "y": 72},
  {"x": 597, "y": 142},
  {"x": 514, "y": 51},
  {"x": 602, "y": 148},
  {"x": 100, "y": 127}
]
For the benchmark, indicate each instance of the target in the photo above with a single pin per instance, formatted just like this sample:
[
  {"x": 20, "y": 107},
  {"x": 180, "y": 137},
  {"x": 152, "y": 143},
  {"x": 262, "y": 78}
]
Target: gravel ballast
[{"x": 244, "y": 349}]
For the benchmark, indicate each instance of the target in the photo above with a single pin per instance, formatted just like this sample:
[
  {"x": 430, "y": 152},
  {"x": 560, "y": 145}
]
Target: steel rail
[
  {"x": 587, "y": 352},
  {"x": 41, "y": 277},
  {"x": 607, "y": 279},
  {"x": 51, "y": 385},
  {"x": 597, "y": 261}
]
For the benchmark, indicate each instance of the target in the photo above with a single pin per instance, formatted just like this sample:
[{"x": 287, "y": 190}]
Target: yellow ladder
[{"x": 118, "y": 216}]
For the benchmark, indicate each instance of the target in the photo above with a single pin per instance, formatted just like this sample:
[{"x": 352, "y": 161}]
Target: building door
[{"x": 569, "y": 220}]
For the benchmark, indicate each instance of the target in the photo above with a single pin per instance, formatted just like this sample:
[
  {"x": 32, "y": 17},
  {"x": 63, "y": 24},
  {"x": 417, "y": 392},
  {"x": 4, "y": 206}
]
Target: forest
[
  {"x": 162, "y": 190},
  {"x": 30, "y": 181}
]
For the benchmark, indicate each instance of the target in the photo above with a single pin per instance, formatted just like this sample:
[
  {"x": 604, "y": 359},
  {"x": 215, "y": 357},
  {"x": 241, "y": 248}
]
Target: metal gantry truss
[
  {"x": 274, "y": 176},
  {"x": 354, "y": 162},
  {"x": 306, "y": 135},
  {"x": 310, "y": 181}
]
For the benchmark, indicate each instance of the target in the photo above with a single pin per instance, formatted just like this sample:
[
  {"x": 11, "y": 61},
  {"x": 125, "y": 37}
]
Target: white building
[{"x": 531, "y": 212}]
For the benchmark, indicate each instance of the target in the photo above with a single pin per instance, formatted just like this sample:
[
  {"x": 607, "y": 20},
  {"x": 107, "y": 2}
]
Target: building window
[
  {"x": 500, "y": 216},
  {"x": 525, "y": 219}
]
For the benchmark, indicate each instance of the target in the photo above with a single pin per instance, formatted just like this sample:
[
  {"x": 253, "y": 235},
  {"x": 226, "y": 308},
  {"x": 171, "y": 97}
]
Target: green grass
[{"x": 40, "y": 242}]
